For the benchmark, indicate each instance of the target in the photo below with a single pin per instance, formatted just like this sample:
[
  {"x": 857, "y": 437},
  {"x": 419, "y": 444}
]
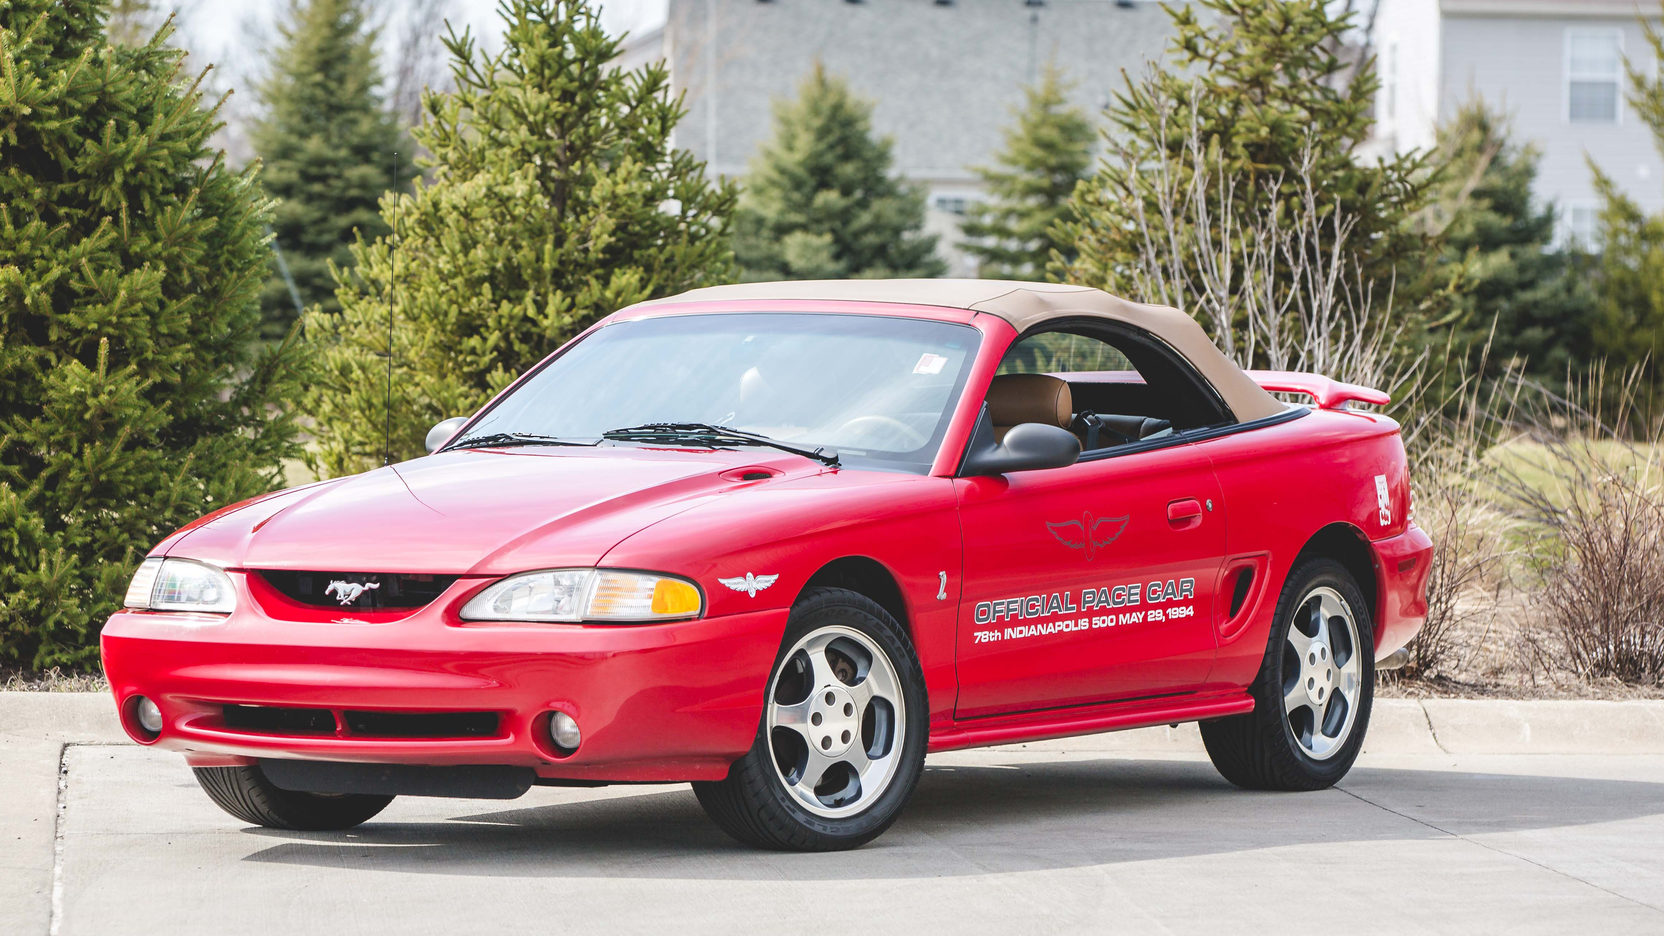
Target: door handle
[{"x": 1184, "y": 513}]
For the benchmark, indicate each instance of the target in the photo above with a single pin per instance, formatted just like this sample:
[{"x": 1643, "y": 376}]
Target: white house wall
[{"x": 1519, "y": 63}]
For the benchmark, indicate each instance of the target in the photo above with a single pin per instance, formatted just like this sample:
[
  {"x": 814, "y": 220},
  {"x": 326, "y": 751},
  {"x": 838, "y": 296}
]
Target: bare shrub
[
  {"x": 1591, "y": 485},
  {"x": 1454, "y": 486},
  {"x": 1276, "y": 286}
]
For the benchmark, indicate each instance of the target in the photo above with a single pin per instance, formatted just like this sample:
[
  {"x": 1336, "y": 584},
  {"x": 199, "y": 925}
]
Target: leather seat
[{"x": 1028, "y": 398}]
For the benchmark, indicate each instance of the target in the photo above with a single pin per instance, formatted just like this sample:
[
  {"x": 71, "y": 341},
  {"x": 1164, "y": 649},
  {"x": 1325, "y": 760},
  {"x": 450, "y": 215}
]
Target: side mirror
[
  {"x": 442, "y": 433},
  {"x": 1026, "y": 447}
]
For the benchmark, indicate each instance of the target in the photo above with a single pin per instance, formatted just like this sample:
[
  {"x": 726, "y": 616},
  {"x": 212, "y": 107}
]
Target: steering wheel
[{"x": 882, "y": 427}]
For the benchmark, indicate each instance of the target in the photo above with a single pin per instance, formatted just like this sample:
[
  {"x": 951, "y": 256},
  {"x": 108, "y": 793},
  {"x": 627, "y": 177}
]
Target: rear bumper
[
  {"x": 1403, "y": 562},
  {"x": 660, "y": 702}
]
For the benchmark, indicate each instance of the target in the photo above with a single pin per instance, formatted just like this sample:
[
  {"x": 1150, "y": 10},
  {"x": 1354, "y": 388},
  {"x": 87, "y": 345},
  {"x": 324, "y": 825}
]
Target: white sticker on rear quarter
[
  {"x": 930, "y": 364},
  {"x": 1383, "y": 499}
]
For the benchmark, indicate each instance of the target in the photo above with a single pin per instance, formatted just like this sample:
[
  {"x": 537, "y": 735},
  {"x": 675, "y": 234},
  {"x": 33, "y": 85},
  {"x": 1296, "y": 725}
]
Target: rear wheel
[
  {"x": 1313, "y": 693},
  {"x": 245, "y": 793},
  {"x": 843, "y": 733}
]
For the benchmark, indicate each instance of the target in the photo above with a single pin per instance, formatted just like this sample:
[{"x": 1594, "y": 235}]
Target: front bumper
[
  {"x": 1403, "y": 564},
  {"x": 656, "y": 702}
]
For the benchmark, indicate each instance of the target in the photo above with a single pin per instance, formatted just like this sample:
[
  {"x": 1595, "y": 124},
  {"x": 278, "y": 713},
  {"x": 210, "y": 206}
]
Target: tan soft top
[{"x": 1023, "y": 305}]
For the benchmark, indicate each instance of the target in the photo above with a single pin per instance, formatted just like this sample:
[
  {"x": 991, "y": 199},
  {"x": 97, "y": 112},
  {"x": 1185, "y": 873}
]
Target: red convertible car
[{"x": 780, "y": 540}]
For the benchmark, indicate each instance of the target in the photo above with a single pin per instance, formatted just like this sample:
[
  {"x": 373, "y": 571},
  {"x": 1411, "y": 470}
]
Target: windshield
[{"x": 877, "y": 389}]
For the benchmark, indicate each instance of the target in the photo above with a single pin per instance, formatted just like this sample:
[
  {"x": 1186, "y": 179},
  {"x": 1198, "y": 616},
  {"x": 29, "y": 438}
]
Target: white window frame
[
  {"x": 1567, "y": 77},
  {"x": 1568, "y": 236}
]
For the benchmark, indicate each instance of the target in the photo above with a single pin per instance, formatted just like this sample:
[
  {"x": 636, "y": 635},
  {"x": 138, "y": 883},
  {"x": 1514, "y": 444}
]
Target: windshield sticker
[
  {"x": 1176, "y": 597},
  {"x": 930, "y": 364}
]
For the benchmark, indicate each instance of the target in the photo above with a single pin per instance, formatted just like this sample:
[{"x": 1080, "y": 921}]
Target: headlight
[
  {"x": 180, "y": 585},
  {"x": 573, "y": 595}
]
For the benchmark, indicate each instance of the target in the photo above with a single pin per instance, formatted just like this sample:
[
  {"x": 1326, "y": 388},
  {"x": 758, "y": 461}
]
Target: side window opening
[{"x": 1123, "y": 386}]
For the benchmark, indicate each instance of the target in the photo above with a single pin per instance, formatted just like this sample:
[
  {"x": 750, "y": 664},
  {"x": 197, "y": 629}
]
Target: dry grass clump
[
  {"x": 1474, "y": 539},
  {"x": 1590, "y": 488},
  {"x": 1546, "y": 510},
  {"x": 52, "y": 680}
]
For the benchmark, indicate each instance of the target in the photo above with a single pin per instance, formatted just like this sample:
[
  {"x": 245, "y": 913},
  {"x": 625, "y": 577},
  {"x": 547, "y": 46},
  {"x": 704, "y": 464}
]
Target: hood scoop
[{"x": 750, "y": 473}]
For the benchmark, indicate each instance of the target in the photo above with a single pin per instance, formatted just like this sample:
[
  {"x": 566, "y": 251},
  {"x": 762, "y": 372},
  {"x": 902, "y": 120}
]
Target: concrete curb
[{"x": 1398, "y": 726}]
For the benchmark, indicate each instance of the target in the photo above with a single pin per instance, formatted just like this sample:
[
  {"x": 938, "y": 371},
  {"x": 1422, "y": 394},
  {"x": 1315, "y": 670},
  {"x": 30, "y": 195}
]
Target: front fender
[{"x": 792, "y": 529}]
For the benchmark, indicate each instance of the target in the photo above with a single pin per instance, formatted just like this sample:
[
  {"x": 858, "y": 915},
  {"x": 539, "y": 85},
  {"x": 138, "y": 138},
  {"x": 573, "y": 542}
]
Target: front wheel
[
  {"x": 245, "y": 793},
  {"x": 843, "y": 734},
  {"x": 1313, "y": 693}
]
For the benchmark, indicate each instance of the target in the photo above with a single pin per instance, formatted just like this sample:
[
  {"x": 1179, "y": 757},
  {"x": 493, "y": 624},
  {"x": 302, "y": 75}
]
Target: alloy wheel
[
  {"x": 1322, "y": 673},
  {"x": 836, "y": 721}
]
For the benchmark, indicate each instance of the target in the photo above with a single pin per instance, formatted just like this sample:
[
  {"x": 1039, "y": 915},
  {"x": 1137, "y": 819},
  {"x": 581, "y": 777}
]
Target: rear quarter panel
[{"x": 1282, "y": 484}]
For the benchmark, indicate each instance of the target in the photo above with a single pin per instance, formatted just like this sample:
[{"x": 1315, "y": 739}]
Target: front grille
[{"x": 364, "y": 591}]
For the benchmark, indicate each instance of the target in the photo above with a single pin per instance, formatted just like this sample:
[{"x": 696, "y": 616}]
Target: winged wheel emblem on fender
[
  {"x": 748, "y": 583},
  {"x": 1089, "y": 533}
]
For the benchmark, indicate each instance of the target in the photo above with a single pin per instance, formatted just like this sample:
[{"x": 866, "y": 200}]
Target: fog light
[
  {"x": 564, "y": 732},
  {"x": 150, "y": 717}
]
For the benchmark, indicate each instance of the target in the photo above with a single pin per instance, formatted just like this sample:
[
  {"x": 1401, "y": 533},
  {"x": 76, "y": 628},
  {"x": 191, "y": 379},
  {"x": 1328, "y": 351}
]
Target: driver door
[
  {"x": 1091, "y": 583},
  {"x": 1088, "y": 583}
]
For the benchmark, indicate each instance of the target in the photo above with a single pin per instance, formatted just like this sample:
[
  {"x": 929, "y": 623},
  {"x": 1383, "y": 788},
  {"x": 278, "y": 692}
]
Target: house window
[
  {"x": 1580, "y": 225},
  {"x": 1594, "y": 75},
  {"x": 952, "y": 204}
]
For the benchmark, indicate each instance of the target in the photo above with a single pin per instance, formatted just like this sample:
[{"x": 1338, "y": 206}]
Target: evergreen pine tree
[
  {"x": 1529, "y": 302},
  {"x": 134, "y": 393},
  {"x": 1629, "y": 281},
  {"x": 1048, "y": 151},
  {"x": 556, "y": 199},
  {"x": 327, "y": 143},
  {"x": 820, "y": 201},
  {"x": 1268, "y": 90}
]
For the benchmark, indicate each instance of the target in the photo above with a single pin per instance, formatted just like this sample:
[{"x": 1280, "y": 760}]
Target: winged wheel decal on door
[{"x": 1089, "y": 533}]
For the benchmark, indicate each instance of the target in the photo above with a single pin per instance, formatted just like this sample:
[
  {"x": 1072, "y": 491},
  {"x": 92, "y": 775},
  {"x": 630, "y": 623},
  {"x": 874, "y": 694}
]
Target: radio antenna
[{"x": 392, "y": 284}]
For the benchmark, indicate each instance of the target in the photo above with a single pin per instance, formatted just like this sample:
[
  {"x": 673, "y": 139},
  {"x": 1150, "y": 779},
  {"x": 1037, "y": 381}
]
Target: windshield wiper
[
  {"x": 674, "y": 431},
  {"x": 507, "y": 439}
]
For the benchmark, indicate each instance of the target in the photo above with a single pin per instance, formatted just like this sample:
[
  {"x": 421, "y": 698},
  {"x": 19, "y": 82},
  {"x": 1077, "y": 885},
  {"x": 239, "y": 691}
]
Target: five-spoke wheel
[
  {"x": 1322, "y": 673},
  {"x": 1313, "y": 692},
  {"x": 836, "y": 720},
  {"x": 842, "y": 739}
]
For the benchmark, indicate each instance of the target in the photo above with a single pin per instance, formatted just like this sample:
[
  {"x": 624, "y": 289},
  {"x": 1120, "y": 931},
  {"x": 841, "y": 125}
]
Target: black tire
[
  {"x": 751, "y": 803},
  {"x": 1259, "y": 750},
  {"x": 245, "y": 793}
]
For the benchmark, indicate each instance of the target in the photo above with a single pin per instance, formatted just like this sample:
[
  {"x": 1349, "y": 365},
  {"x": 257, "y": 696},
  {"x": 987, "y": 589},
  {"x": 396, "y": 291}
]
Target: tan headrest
[{"x": 1029, "y": 398}]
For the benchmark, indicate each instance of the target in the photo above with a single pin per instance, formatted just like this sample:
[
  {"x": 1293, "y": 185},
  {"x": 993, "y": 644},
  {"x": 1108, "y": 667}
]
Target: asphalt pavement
[{"x": 1129, "y": 833}]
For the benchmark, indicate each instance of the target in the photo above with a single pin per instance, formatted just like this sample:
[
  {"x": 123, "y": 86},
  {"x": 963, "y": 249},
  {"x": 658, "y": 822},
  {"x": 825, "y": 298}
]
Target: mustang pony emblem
[
  {"x": 748, "y": 583},
  {"x": 1089, "y": 533},
  {"x": 348, "y": 592}
]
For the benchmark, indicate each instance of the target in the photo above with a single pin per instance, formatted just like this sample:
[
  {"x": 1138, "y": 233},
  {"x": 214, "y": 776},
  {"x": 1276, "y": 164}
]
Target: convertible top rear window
[{"x": 878, "y": 389}]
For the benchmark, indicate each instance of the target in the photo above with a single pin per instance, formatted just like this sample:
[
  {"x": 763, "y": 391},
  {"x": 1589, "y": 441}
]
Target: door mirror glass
[
  {"x": 441, "y": 433},
  {"x": 1026, "y": 447}
]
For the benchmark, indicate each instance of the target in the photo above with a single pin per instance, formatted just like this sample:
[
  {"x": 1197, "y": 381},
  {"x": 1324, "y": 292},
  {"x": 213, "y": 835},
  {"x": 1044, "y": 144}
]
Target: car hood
[{"x": 478, "y": 512}]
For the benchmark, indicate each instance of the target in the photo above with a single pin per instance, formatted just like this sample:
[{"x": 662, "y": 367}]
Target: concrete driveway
[{"x": 1123, "y": 834}]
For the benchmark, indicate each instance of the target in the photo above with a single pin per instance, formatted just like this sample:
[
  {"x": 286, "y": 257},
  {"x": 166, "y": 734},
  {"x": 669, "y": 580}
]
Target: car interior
[{"x": 1111, "y": 387}]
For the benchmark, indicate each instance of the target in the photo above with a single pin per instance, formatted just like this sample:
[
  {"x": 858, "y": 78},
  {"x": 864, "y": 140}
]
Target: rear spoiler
[{"x": 1329, "y": 394}]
